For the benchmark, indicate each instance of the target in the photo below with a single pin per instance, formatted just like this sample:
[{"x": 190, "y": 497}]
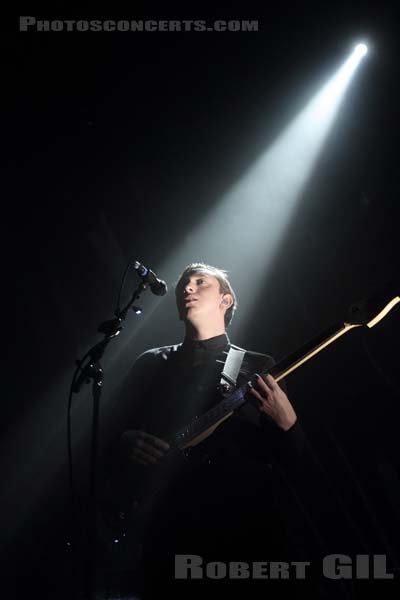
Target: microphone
[{"x": 157, "y": 286}]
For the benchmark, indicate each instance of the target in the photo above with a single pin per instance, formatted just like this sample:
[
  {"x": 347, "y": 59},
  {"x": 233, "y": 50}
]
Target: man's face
[{"x": 199, "y": 297}]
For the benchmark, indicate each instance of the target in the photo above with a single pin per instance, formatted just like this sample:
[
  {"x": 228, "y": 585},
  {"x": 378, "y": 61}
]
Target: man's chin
[
  {"x": 186, "y": 315},
  {"x": 183, "y": 315}
]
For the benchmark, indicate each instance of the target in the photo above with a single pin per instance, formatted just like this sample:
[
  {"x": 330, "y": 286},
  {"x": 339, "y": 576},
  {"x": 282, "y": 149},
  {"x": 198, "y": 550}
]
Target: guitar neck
[{"x": 284, "y": 367}]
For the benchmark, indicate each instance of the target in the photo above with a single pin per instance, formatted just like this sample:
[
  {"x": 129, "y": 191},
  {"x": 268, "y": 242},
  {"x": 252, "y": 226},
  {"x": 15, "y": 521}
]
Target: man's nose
[{"x": 189, "y": 287}]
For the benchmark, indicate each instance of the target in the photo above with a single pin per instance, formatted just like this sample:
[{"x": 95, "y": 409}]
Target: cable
[
  {"x": 72, "y": 497},
  {"x": 121, "y": 287}
]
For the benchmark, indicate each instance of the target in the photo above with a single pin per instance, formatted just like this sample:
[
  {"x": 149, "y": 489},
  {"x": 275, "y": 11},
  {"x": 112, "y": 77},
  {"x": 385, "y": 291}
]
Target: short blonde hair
[{"x": 225, "y": 286}]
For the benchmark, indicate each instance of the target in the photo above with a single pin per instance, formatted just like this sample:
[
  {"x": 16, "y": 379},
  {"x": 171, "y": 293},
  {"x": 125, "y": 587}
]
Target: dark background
[{"x": 117, "y": 145}]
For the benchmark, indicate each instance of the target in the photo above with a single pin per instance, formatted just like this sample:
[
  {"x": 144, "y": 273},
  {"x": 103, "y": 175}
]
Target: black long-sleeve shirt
[{"x": 171, "y": 385}]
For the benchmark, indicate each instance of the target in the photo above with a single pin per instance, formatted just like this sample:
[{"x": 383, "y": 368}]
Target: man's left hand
[{"x": 274, "y": 402}]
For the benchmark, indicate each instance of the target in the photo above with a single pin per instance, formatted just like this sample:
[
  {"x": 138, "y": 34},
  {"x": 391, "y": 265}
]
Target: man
[{"x": 223, "y": 506}]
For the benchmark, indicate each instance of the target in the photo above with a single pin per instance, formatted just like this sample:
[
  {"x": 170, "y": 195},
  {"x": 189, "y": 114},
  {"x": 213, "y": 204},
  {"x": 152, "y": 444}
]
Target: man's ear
[{"x": 227, "y": 300}]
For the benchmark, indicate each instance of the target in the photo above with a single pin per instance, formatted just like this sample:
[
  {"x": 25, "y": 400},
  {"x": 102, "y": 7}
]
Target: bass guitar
[{"x": 124, "y": 511}]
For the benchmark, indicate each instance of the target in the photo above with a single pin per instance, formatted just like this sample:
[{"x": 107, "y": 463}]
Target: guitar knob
[{"x": 225, "y": 388}]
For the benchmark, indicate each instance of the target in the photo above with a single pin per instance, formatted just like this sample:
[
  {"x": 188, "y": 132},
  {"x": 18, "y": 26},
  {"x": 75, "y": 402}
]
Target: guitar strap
[
  {"x": 231, "y": 369},
  {"x": 229, "y": 375}
]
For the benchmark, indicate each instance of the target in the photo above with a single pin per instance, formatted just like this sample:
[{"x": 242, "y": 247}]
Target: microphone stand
[{"x": 92, "y": 371}]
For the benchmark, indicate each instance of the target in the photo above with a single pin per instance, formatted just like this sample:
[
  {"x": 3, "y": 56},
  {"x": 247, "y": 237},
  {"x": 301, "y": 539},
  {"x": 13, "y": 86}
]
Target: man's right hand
[{"x": 144, "y": 448}]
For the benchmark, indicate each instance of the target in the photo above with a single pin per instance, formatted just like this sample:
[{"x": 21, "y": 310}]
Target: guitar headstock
[{"x": 374, "y": 308}]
